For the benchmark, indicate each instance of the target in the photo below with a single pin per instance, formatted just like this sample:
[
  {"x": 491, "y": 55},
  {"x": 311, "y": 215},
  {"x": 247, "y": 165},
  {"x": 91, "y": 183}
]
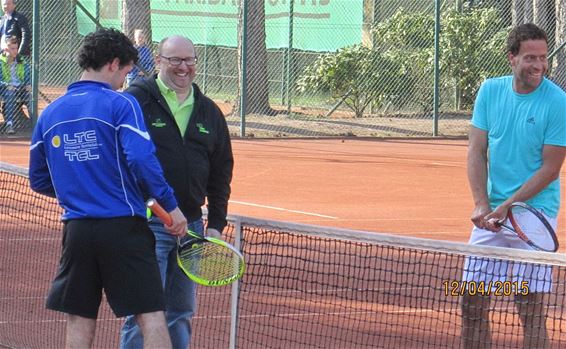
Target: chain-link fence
[{"x": 293, "y": 68}]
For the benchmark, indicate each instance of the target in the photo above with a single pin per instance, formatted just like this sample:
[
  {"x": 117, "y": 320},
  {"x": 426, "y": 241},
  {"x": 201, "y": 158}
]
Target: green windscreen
[{"x": 317, "y": 25}]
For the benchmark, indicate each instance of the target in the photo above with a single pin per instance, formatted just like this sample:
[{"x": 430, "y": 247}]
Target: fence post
[
  {"x": 205, "y": 70},
  {"x": 436, "y": 101},
  {"x": 33, "y": 110},
  {"x": 235, "y": 289},
  {"x": 290, "y": 55},
  {"x": 553, "y": 53},
  {"x": 243, "y": 59}
]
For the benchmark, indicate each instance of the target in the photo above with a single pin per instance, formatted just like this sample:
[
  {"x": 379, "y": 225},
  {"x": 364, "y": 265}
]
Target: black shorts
[{"x": 116, "y": 255}]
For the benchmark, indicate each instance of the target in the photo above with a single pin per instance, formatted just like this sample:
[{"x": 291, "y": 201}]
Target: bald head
[{"x": 172, "y": 42}]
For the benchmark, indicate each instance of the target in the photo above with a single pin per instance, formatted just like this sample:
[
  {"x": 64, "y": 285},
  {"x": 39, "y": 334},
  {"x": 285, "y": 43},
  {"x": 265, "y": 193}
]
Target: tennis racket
[
  {"x": 531, "y": 227},
  {"x": 205, "y": 260}
]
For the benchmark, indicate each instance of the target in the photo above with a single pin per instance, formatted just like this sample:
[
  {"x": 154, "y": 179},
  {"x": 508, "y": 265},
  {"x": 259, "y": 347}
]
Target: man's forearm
[{"x": 477, "y": 178}]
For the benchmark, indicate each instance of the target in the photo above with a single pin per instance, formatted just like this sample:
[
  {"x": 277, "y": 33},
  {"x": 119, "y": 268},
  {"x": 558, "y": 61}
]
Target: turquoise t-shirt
[{"x": 518, "y": 126}]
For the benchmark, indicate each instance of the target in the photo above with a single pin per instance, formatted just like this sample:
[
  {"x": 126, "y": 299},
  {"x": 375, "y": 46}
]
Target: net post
[{"x": 235, "y": 288}]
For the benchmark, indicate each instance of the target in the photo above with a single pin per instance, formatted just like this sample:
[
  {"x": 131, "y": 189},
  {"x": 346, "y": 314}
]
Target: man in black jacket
[
  {"x": 14, "y": 23},
  {"x": 193, "y": 146}
]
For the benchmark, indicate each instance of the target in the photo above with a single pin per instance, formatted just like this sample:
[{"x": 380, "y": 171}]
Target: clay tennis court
[
  {"x": 405, "y": 187},
  {"x": 409, "y": 187}
]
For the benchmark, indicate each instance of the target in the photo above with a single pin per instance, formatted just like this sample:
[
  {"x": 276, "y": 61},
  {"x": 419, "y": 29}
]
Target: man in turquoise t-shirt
[{"x": 517, "y": 144}]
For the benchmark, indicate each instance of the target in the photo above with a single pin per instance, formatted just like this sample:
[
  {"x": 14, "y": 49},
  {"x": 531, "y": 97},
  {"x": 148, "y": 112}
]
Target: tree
[
  {"x": 408, "y": 38},
  {"x": 522, "y": 11},
  {"x": 257, "y": 92},
  {"x": 358, "y": 76},
  {"x": 58, "y": 43},
  {"x": 472, "y": 44},
  {"x": 544, "y": 17},
  {"x": 503, "y": 8},
  {"x": 136, "y": 14}
]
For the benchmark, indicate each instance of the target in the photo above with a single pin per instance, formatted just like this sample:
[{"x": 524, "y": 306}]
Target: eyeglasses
[{"x": 176, "y": 61}]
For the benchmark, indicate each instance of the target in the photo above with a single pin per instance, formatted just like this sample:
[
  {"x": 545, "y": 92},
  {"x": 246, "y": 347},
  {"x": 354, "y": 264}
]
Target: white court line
[
  {"x": 30, "y": 239},
  {"x": 345, "y": 313},
  {"x": 281, "y": 209},
  {"x": 452, "y": 310}
]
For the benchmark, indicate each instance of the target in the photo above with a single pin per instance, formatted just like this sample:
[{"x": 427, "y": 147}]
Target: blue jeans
[
  {"x": 13, "y": 97},
  {"x": 180, "y": 292}
]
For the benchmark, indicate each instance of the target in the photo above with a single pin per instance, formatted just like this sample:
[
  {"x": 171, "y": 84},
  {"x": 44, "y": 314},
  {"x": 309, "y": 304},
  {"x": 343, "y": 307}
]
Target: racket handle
[
  {"x": 159, "y": 211},
  {"x": 501, "y": 223}
]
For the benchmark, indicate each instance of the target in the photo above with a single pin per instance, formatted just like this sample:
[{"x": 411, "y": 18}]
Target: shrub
[{"x": 357, "y": 75}]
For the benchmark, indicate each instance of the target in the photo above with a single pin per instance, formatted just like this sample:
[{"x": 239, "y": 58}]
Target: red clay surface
[{"x": 406, "y": 187}]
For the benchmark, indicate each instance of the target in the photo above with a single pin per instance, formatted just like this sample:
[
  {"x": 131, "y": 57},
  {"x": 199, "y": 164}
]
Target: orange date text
[{"x": 457, "y": 288}]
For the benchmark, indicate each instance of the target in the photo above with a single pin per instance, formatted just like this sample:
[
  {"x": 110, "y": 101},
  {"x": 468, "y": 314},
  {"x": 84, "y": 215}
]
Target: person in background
[
  {"x": 90, "y": 149},
  {"x": 194, "y": 148},
  {"x": 15, "y": 83},
  {"x": 517, "y": 145},
  {"x": 145, "y": 58},
  {"x": 14, "y": 24}
]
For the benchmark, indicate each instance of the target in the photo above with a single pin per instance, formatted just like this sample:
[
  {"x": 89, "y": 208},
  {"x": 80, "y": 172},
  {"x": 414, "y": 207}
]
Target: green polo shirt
[{"x": 181, "y": 112}]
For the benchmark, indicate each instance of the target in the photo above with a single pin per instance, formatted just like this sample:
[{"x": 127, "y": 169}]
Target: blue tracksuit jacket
[{"x": 91, "y": 150}]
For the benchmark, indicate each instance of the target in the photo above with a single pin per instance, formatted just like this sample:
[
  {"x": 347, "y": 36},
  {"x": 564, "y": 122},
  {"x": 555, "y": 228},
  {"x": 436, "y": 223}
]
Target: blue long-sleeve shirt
[
  {"x": 91, "y": 150},
  {"x": 145, "y": 61}
]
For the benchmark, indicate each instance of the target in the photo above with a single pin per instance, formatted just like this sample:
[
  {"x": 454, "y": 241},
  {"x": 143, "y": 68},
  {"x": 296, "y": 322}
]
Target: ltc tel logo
[{"x": 80, "y": 146}]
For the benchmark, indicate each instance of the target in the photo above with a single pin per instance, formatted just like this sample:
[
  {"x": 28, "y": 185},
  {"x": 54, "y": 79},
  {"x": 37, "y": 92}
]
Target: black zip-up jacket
[
  {"x": 198, "y": 165},
  {"x": 18, "y": 26}
]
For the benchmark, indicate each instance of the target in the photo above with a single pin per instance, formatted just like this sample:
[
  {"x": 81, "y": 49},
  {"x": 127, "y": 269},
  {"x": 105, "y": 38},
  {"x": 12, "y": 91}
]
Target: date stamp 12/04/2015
[{"x": 457, "y": 288}]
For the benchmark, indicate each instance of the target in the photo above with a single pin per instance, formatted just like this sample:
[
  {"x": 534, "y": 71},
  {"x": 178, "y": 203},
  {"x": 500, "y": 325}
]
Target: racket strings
[
  {"x": 209, "y": 261},
  {"x": 532, "y": 227}
]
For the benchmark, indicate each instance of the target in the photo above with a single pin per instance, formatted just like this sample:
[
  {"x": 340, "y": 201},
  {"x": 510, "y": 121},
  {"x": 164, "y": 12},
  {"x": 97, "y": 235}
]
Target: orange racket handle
[{"x": 159, "y": 211}]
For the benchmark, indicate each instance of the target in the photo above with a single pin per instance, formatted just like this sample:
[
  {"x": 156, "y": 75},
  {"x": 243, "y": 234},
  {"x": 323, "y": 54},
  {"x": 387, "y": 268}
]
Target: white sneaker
[{"x": 10, "y": 128}]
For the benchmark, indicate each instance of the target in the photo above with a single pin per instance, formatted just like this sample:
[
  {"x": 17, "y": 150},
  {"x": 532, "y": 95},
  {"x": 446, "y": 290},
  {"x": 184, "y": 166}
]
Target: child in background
[
  {"x": 145, "y": 57},
  {"x": 15, "y": 83}
]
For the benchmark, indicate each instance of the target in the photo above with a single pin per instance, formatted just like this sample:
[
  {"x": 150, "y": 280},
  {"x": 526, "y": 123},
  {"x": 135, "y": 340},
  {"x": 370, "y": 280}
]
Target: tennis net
[{"x": 304, "y": 287}]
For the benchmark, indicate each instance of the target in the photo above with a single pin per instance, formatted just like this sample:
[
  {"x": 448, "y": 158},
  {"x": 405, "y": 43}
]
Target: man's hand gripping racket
[
  {"x": 207, "y": 261},
  {"x": 530, "y": 226}
]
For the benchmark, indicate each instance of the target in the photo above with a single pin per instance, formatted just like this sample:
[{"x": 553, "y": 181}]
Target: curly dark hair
[
  {"x": 524, "y": 32},
  {"x": 102, "y": 46}
]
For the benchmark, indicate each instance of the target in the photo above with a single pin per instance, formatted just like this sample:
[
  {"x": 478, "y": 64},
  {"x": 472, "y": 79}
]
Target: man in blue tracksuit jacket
[{"x": 91, "y": 150}]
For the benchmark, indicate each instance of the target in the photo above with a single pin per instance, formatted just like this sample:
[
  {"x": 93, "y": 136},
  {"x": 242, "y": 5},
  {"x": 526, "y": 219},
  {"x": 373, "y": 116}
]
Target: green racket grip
[{"x": 159, "y": 211}]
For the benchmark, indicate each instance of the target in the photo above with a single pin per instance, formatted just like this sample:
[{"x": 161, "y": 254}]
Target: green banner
[{"x": 318, "y": 25}]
